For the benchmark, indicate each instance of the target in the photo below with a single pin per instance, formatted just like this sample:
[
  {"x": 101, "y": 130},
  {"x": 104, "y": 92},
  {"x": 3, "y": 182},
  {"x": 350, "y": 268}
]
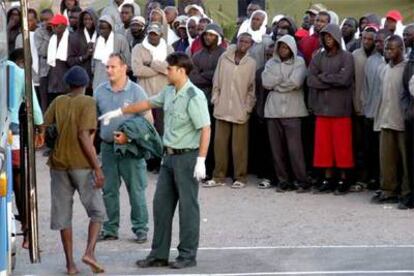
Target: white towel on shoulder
[
  {"x": 104, "y": 49},
  {"x": 157, "y": 52},
  {"x": 88, "y": 37},
  {"x": 55, "y": 51}
]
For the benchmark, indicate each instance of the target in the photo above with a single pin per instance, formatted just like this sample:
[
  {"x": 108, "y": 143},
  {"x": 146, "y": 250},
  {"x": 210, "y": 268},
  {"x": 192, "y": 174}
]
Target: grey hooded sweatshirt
[
  {"x": 285, "y": 80},
  {"x": 331, "y": 79},
  {"x": 121, "y": 46},
  {"x": 371, "y": 91}
]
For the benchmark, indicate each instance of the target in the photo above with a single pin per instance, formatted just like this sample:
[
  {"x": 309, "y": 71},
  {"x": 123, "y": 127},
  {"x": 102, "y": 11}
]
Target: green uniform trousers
[
  {"x": 133, "y": 172},
  {"x": 393, "y": 162},
  {"x": 176, "y": 183}
]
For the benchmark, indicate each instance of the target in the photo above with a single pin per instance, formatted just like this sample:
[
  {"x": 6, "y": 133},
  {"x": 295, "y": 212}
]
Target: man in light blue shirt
[{"x": 120, "y": 92}]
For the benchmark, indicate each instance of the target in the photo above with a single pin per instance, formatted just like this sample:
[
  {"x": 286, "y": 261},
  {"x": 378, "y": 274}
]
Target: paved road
[{"x": 253, "y": 232}]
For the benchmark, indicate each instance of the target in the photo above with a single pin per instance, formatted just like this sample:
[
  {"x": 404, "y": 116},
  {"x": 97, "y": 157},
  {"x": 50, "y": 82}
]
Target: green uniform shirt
[{"x": 185, "y": 113}]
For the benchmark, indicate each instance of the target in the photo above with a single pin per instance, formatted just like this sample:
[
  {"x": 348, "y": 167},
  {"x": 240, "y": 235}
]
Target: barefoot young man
[
  {"x": 186, "y": 138},
  {"x": 74, "y": 166}
]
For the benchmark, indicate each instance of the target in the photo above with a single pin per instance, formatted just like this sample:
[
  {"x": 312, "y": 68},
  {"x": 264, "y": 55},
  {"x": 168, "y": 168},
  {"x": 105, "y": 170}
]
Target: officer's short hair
[
  {"x": 180, "y": 60},
  {"x": 121, "y": 58}
]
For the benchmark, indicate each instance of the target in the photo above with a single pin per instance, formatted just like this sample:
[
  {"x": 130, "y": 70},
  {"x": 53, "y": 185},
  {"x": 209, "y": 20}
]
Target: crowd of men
[{"x": 324, "y": 107}]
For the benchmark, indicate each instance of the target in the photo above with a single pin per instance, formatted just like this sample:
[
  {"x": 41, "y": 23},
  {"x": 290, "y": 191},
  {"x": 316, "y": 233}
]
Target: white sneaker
[
  {"x": 264, "y": 184},
  {"x": 238, "y": 185},
  {"x": 213, "y": 183}
]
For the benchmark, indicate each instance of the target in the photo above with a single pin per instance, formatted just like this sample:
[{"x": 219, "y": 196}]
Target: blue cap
[{"x": 76, "y": 76}]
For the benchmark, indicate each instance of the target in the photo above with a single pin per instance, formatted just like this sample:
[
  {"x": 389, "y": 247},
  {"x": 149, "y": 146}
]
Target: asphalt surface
[{"x": 250, "y": 232}]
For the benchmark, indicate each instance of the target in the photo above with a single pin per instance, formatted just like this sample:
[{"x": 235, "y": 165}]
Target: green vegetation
[{"x": 224, "y": 12}]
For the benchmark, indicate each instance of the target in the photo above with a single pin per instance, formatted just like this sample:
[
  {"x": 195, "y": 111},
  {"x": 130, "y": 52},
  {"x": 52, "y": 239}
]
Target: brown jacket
[
  {"x": 152, "y": 75},
  {"x": 233, "y": 92}
]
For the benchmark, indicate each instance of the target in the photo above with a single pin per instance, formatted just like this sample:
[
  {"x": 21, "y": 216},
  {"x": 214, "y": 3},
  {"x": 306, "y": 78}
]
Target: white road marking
[
  {"x": 340, "y": 272},
  {"x": 296, "y": 247}
]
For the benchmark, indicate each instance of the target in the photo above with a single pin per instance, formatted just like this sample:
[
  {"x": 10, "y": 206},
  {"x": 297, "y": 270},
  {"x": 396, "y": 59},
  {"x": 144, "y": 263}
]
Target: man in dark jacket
[
  {"x": 82, "y": 43},
  {"x": 369, "y": 19},
  {"x": 205, "y": 62},
  {"x": 331, "y": 75},
  {"x": 349, "y": 29},
  {"x": 13, "y": 27},
  {"x": 286, "y": 25},
  {"x": 407, "y": 104},
  {"x": 260, "y": 161},
  {"x": 41, "y": 40},
  {"x": 73, "y": 16},
  {"x": 57, "y": 57}
]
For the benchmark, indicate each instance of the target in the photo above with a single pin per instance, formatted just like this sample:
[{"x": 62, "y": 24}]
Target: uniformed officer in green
[{"x": 186, "y": 138}]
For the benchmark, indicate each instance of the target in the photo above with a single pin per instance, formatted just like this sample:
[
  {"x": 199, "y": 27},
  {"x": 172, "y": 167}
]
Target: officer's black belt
[{"x": 171, "y": 151}]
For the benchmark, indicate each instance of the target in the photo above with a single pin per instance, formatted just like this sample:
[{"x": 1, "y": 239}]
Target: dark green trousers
[
  {"x": 176, "y": 184},
  {"x": 393, "y": 162},
  {"x": 133, "y": 172}
]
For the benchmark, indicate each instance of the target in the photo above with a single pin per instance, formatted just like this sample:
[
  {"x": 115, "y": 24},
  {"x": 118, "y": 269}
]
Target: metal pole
[{"x": 29, "y": 148}]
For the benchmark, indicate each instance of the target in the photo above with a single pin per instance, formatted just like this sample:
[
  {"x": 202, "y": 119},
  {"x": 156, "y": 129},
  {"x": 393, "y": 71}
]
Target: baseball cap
[
  {"x": 138, "y": 19},
  {"x": 154, "y": 28},
  {"x": 193, "y": 6},
  {"x": 394, "y": 15},
  {"x": 59, "y": 19},
  {"x": 316, "y": 8}
]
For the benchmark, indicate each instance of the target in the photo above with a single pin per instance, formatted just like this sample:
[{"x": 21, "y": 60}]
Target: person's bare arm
[{"x": 85, "y": 139}]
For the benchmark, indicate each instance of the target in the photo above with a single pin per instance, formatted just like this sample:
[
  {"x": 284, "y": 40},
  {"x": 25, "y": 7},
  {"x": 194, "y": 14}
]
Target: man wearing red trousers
[{"x": 331, "y": 74}]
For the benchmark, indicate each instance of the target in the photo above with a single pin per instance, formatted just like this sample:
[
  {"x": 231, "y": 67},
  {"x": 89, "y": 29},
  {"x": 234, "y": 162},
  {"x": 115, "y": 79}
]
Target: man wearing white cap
[
  {"x": 136, "y": 32},
  {"x": 107, "y": 43},
  {"x": 194, "y": 10},
  {"x": 150, "y": 67}
]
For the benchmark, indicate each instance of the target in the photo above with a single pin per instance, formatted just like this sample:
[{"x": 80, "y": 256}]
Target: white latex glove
[
  {"x": 106, "y": 118},
  {"x": 200, "y": 169}
]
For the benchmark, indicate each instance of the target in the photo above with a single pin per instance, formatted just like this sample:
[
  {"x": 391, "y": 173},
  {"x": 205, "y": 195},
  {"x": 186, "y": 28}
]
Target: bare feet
[
  {"x": 93, "y": 264},
  {"x": 25, "y": 243},
  {"x": 72, "y": 269}
]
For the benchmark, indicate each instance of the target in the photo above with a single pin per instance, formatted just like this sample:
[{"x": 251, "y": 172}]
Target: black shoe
[
  {"x": 373, "y": 185},
  {"x": 342, "y": 187},
  {"x": 150, "y": 262},
  {"x": 292, "y": 187},
  {"x": 141, "y": 237},
  {"x": 303, "y": 187},
  {"x": 182, "y": 263},
  {"x": 282, "y": 187},
  {"x": 405, "y": 202},
  {"x": 382, "y": 198},
  {"x": 326, "y": 186},
  {"x": 106, "y": 237}
]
